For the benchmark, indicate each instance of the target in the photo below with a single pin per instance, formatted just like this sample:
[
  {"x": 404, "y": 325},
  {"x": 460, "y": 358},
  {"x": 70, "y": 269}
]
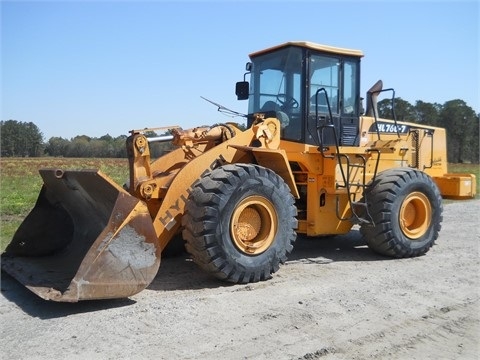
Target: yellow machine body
[{"x": 320, "y": 177}]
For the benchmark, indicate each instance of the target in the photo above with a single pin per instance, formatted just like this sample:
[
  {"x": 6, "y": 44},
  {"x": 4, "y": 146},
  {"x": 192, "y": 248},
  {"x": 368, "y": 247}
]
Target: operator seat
[{"x": 271, "y": 108}]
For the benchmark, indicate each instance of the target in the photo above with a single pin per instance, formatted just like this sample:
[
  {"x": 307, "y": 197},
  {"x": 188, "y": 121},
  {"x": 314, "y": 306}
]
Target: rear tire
[
  {"x": 239, "y": 223},
  {"x": 406, "y": 207}
]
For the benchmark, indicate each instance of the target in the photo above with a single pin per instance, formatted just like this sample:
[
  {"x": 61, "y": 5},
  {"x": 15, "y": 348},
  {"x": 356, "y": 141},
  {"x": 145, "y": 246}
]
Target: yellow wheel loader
[{"x": 311, "y": 161}]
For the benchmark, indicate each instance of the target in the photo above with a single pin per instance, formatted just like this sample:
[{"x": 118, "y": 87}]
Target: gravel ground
[{"x": 334, "y": 299}]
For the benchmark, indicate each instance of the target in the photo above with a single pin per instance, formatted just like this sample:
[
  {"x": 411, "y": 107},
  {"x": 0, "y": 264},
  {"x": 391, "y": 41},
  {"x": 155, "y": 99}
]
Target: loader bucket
[{"x": 86, "y": 238}]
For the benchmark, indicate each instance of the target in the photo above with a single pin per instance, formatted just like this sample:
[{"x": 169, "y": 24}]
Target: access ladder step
[{"x": 363, "y": 208}]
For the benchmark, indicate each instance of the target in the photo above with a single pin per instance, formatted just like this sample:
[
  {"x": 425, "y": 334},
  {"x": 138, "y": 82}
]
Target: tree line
[
  {"x": 20, "y": 139},
  {"x": 459, "y": 120}
]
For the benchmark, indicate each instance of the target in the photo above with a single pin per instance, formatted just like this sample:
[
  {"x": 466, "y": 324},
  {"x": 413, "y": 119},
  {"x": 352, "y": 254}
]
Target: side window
[
  {"x": 350, "y": 100},
  {"x": 324, "y": 73}
]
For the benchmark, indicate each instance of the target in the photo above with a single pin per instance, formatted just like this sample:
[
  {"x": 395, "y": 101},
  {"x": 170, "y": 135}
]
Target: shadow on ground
[
  {"x": 35, "y": 306},
  {"x": 180, "y": 273}
]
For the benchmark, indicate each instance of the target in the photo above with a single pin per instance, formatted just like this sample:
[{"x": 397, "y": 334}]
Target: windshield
[
  {"x": 275, "y": 80},
  {"x": 276, "y": 86}
]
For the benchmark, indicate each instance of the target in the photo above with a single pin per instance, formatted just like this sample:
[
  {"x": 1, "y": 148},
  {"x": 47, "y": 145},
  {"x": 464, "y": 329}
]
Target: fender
[{"x": 276, "y": 160}]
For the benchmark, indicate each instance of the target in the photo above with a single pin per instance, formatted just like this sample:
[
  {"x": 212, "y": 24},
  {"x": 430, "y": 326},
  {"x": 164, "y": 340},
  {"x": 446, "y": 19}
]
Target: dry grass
[{"x": 20, "y": 184}]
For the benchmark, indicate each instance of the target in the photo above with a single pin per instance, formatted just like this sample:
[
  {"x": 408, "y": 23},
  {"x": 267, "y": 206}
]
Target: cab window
[
  {"x": 324, "y": 74},
  {"x": 350, "y": 102}
]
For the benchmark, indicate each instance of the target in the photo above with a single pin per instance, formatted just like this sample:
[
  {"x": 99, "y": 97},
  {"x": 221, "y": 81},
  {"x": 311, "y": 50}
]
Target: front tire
[
  {"x": 240, "y": 223},
  {"x": 406, "y": 208}
]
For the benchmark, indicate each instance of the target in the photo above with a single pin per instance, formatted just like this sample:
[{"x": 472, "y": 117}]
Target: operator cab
[{"x": 307, "y": 87}]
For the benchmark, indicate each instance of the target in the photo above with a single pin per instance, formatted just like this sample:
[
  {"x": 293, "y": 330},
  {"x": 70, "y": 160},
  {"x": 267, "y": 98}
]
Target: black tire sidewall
[
  {"x": 424, "y": 187},
  {"x": 267, "y": 189},
  {"x": 385, "y": 196}
]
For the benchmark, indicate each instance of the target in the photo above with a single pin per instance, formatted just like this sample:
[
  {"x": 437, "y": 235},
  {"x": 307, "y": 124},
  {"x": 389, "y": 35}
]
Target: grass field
[{"x": 20, "y": 184}]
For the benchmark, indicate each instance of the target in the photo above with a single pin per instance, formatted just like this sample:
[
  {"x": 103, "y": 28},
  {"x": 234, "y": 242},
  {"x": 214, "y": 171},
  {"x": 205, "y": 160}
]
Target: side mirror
[{"x": 241, "y": 90}]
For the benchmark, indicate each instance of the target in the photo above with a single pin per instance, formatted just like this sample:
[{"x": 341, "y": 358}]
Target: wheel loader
[{"x": 311, "y": 161}]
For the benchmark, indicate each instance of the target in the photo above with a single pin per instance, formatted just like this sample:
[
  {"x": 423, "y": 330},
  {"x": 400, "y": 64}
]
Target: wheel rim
[
  {"x": 254, "y": 225},
  {"x": 415, "y": 215}
]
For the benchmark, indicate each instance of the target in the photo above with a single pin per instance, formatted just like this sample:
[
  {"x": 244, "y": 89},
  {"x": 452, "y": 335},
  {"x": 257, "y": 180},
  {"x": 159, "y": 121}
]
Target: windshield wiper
[{"x": 225, "y": 110}]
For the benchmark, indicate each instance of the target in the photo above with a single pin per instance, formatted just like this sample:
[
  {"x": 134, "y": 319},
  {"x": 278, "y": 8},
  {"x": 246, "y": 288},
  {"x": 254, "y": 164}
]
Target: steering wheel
[{"x": 287, "y": 102}]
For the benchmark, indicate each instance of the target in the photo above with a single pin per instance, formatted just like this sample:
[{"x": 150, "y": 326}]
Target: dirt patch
[{"x": 334, "y": 299}]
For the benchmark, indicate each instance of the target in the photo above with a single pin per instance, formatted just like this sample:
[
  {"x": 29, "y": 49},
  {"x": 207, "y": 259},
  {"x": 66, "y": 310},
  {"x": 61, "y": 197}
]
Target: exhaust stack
[{"x": 372, "y": 97}]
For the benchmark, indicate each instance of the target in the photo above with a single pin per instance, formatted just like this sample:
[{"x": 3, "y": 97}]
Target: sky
[{"x": 107, "y": 67}]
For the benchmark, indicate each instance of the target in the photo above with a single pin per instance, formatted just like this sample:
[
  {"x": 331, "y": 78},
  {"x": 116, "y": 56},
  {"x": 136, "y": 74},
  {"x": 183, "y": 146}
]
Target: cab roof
[{"x": 311, "y": 46}]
